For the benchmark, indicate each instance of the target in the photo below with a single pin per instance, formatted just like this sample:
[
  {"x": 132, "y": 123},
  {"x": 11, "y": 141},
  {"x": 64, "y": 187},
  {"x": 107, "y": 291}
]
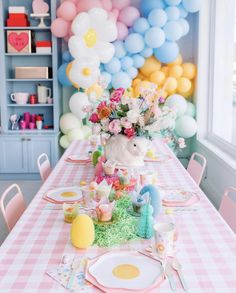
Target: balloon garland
[{"x": 113, "y": 44}]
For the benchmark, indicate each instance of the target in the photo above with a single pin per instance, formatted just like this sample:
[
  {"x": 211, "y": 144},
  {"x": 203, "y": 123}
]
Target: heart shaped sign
[
  {"x": 40, "y": 7},
  {"x": 18, "y": 41}
]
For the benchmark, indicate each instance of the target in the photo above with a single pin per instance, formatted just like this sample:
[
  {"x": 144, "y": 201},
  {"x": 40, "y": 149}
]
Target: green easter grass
[{"x": 122, "y": 229}]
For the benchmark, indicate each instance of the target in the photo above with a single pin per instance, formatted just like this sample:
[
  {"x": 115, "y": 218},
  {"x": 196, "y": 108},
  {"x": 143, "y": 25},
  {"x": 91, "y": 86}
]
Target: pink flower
[
  {"x": 114, "y": 126},
  {"x": 116, "y": 95},
  {"x": 102, "y": 105},
  {"x": 112, "y": 106},
  {"x": 161, "y": 100},
  {"x": 94, "y": 118},
  {"x": 129, "y": 132},
  {"x": 125, "y": 122},
  {"x": 96, "y": 128}
]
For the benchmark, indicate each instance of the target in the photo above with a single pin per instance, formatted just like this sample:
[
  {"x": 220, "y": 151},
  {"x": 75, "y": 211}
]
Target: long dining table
[{"x": 206, "y": 244}]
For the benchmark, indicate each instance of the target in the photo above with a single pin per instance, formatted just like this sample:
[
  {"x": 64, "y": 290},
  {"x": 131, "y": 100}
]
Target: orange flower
[
  {"x": 104, "y": 112},
  {"x": 160, "y": 247}
]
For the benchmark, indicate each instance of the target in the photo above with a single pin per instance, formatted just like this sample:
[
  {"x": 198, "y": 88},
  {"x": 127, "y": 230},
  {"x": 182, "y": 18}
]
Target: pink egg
[
  {"x": 60, "y": 27},
  {"x": 122, "y": 31},
  {"x": 128, "y": 15},
  {"x": 120, "y": 4}
]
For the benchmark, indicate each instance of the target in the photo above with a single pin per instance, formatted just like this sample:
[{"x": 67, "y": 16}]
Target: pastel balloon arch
[{"x": 111, "y": 41}]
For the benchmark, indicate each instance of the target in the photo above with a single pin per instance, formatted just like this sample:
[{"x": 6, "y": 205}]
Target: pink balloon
[
  {"x": 122, "y": 31},
  {"x": 107, "y": 5},
  {"x": 60, "y": 27},
  {"x": 120, "y": 4},
  {"x": 111, "y": 16},
  {"x": 67, "y": 10},
  {"x": 88, "y": 4},
  {"x": 73, "y": 1},
  {"x": 128, "y": 15},
  {"x": 114, "y": 14},
  {"x": 59, "y": 12}
]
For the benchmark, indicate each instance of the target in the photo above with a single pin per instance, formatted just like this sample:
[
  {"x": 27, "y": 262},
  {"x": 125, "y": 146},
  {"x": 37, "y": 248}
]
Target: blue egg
[
  {"x": 184, "y": 25},
  {"x": 113, "y": 66},
  {"x": 126, "y": 63},
  {"x": 157, "y": 17},
  {"x": 154, "y": 37},
  {"x": 134, "y": 43},
  {"x": 120, "y": 50},
  {"x": 133, "y": 72},
  {"x": 141, "y": 25},
  {"x": 173, "y": 2},
  {"x": 147, "y": 52},
  {"x": 172, "y": 12},
  {"x": 173, "y": 30},
  {"x": 61, "y": 75},
  {"x": 167, "y": 53},
  {"x": 147, "y": 5},
  {"x": 121, "y": 79},
  {"x": 192, "y": 5},
  {"x": 182, "y": 11},
  {"x": 138, "y": 60},
  {"x": 66, "y": 56}
]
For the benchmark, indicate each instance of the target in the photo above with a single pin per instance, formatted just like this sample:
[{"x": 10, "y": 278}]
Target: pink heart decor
[
  {"x": 40, "y": 7},
  {"x": 18, "y": 41}
]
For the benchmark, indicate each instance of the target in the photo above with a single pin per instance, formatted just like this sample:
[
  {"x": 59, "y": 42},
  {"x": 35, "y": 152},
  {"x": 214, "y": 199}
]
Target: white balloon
[
  {"x": 68, "y": 121},
  {"x": 76, "y": 104},
  {"x": 99, "y": 14},
  {"x": 186, "y": 126},
  {"x": 64, "y": 142},
  {"x": 80, "y": 24},
  {"x": 105, "y": 51},
  {"x": 75, "y": 134},
  {"x": 177, "y": 103}
]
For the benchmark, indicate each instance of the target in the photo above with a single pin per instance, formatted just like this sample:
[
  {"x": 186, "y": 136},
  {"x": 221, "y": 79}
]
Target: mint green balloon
[
  {"x": 191, "y": 110},
  {"x": 185, "y": 126}
]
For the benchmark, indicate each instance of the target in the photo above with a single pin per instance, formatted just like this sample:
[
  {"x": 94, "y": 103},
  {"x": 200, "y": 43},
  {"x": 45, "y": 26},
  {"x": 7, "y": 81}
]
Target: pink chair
[
  {"x": 228, "y": 208},
  {"x": 196, "y": 167},
  {"x": 44, "y": 166},
  {"x": 14, "y": 208}
]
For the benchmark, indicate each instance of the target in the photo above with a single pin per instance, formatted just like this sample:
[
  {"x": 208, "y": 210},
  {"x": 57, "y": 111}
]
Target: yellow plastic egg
[
  {"x": 189, "y": 70},
  {"x": 151, "y": 64},
  {"x": 157, "y": 77},
  {"x": 176, "y": 71},
  {"x": 82, "y": 231}
]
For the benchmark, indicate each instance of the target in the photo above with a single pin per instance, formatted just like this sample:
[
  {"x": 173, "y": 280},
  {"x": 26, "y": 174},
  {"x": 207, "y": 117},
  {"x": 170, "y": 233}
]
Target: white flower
[
  {"x": 96, "y": 128},
  {"x": 84, "y": 73},
  {"x": 93, "y": 32},
  {"x": 105, "y": 124},
  {"x": 133, "y": 115},
  {"x": 181, "y": 142}
]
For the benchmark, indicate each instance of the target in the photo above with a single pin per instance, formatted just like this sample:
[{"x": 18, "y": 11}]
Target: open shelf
[
  {"x": 33, "y": 131},
  {"x": 28, "y": 79},
  {"x": 33, "y": 28},
  {"x": 28, "y": 54},
  {"x": 30, "y": 105}
]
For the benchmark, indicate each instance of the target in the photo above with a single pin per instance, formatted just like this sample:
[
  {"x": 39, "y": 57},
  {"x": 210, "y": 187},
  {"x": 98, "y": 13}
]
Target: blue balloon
[
  {"x": 61, "y": 75},
  {"x": 134, "y": 43},
  {"x": 147, "y": 52},
  {"x": 121, "y": 79},
  {"x": 157, "y": 17},
  {"x": 66, "y": 56},
  {"x": 192, "y": 5},
  {"x": 120, "y": 50},
  {"x": 113, "y": 66},
  {"x": 167, "y": 53},
  {"x": 173, "y": 2},
  {"x": 184, "y": 25},
  {"x": 126, "y": 63},
  {"x": 138, "y": 60},
  {"x": 107, "y": 77},
  {"x": 173, "y": 31},
  {"x": 133, "y": 72},
  {"x": 147, "y": 5},
  {"x": 182, "y": 11},
  {"x": 172, "y": 12},
  {"x": 154, "y": 37},
  {"x": 141, "y": 25}
]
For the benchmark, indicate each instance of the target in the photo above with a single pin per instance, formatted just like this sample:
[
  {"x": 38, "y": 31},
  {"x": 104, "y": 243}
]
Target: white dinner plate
[
  {"x": 159, "y": 158},
  {"x": 173, "y": 195},
  {"x": 126, "y": 270},
  {"x": 65, "y": 194},
  {"x": 79, "y": 157}
]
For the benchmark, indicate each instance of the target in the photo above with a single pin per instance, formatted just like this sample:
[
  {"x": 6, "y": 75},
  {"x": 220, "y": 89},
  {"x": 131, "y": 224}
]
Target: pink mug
[
  {"x": 31, "y": 125},
  {"x": 22, "y": 124}
]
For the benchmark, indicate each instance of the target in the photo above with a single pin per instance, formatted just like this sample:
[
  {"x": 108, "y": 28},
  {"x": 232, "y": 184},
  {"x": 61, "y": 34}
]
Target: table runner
[{"x": 206, "y": 245}]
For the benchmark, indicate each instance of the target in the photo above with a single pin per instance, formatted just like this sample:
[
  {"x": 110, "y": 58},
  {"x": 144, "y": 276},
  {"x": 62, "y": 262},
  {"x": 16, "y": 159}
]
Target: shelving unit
[{"x": 45, "y": 140}]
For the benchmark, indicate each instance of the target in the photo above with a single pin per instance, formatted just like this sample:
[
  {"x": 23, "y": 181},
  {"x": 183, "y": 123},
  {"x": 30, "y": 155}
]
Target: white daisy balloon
[{"x": 93, "y": 34}]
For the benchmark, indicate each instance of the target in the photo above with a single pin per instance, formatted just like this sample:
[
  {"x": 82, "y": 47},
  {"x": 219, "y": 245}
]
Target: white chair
[
  {"x": 44, "y": 166},
  {"x": 196, "y": 167},
  {"x": 14, "y": 208},
  {"x": 228, "y": 208}
]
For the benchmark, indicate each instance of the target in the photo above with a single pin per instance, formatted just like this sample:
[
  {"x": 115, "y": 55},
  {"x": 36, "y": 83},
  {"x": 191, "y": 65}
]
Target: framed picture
[{"x": 19, "y": 41}]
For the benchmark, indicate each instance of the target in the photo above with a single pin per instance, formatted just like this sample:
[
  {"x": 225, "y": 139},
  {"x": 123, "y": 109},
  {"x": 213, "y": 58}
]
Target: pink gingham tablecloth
[{"x": 206, "y": 245}]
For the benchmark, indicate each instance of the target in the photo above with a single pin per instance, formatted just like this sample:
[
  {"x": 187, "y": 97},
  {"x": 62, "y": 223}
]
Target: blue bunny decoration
[{"x": 155, "y": 198}]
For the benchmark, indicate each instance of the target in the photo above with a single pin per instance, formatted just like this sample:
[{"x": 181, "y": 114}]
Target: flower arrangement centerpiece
[{"x": 126, "y": 123}]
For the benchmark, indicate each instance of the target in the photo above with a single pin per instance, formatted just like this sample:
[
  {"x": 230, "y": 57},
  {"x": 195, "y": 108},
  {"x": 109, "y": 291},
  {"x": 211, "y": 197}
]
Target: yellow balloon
[
  {"x": 176, "y": 71},
  {"x": 68, "y": 69},
  {"x": 164, "y": 94},
  {"x": 189, "y": 93},
  {"x": 140, "y": 76},
  {"x": 143, "y": 84},
  {"x": 171, "y": 85},
  {"x": 136, "y": 81},
  {"x": 178, "y": 61},
  {"x": 184, "y": 85},
  {"x": 157, "y": 77},
  {"x": 189, "y": 70},
  {"x": 95, "y": 89},
  {"x": 165, "y": 70},
  {"x": 151, "y": 64}
]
